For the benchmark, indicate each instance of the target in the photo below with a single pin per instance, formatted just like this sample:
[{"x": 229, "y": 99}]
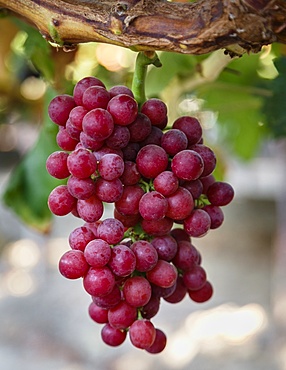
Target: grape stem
[{"x": 141, "y": 65}]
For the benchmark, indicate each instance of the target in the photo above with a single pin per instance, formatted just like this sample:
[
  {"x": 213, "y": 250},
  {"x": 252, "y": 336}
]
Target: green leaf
[
  {"x": 239, "y": 117},
  {"x": 30, "y": 184},
  {"x": 273, "y": 106},
  {"x": 237, "y": 99},
  {"x": 172, "y": 65},
  {"x": 38, "y": 51}
]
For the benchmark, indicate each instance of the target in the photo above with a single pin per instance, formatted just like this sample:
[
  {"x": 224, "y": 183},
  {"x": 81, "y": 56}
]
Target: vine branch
[{"x": 147, "y": 25}]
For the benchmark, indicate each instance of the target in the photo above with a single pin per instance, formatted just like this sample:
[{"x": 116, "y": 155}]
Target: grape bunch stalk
[{"x": 160, "y": 182}]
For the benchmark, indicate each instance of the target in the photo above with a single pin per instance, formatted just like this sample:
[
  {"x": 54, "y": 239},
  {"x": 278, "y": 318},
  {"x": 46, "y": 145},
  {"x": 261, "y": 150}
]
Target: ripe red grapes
[{"x": 161, "y": 184}]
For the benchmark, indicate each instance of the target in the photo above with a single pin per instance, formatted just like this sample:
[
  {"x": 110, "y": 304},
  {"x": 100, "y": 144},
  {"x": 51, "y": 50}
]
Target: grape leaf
[
  {"x": 273, "y": 106},
  {"x": 238, "y": 101},
  {"x": 37, "y": 51},
  {"x": 29, "y": 183},
  {"x": 172, "y": 65}
]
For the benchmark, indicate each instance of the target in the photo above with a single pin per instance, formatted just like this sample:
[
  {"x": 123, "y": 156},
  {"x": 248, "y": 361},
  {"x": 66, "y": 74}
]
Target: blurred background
[{"x": 44, "y": 318}]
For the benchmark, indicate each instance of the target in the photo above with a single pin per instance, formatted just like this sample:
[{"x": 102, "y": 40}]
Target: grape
[
  {"x": 119, "y": 138},
  {"x": 142, "y": 333},
  {"x": 130, "y": 175},
  {"x": 81, "y": 188},
  {"x": 195, "y": 278},
  {"x": 110, "y": 300},
  {"x": 64, "y": 140},
  {"x": 207, "y": 182},
  {"x": 89, "y": 143},
  {"x": 216, "y": 215},
  {"x": 122, "y": 315},
  {"x": 111, "y": 230},
  {"x": 112, "y": 336},
  {"x": 166, "y": 247},
  {"x": 73, "y": 132},
  {"x": 99, "y": 281},
  {"x": 195, "y": 187},
  {"x": 179, "y": 293},
  {"x": 82, "y": 85},
  {"x": 151, "y": 160},
  {"x": 154, "y": 137},
  {"x": 197, "y": 223},
  {"x": 157, "y": 227},
  {"x": 161, "y": 292},
  {"x": 80, "y": 237},
  {"x": 76, "y": 116},
  {"x": 186, "y": 256},
  {"x": 151, "y": 308},
  {"x": 108, "y": 191},
  {"x": 180, "y": 204},
  {"x": 146, "y": 255},
  {"x": 130, "y": 151},
  {"x": 153, "y": 206},
  {"x": 123, "y": 108},
  {"x": 191, "y": 127},
  {"x": 97, "y": 253},
  {"x": 208, "y": 156},
  {"x": 164, "y": 274},
  {"x": 97, "y": 313},
  {"x": 111, "y": 166},
  {"x": 127, "y": 221},
  {"x": 56, "y": 165},
  {"x": 140, "y": 128},
  {"x": 174, "y": 141},
  {"x": 73, "y": 265},
  {"x": 106, "y": 150},
  {"x": 81, "y": 163},
  {"x": 156, "y": 110},
  {"x": 220, "y": 193},
  {"x": 187, "y": 165},
  {"x": 60, "y": 107},
  {"x": 203, "y": 294},
  {"x": 166, "y": 183},
  {"x": 98, "y": 124},
  {"x": 93, "y": 226},
  {"x": 159, "y": 343},
  {"x": 137, "y": 291},
  {"x": 120, "y": 89},
  {"x": 128, "y": 204},
  {"x": 60, "y": 201},
  {"x": 180, "y": 235},
  {"x": 122, "y": 261},
  {"x": 91, "y": 209},
  {"x": 95, "y": 97}
]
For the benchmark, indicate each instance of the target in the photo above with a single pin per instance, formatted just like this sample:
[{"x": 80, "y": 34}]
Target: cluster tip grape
[{"x": 161, "y": 184}]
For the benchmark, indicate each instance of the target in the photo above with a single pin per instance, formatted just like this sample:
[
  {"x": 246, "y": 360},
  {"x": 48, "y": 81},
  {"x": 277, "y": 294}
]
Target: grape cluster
[{"x": 164, "y": 193}]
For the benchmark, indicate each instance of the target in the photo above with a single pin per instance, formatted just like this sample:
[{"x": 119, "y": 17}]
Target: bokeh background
[{"x": 44, "y": 319}]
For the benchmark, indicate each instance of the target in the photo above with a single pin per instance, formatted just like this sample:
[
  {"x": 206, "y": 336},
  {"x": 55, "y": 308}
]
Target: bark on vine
[{"x": 190, "y": 28}]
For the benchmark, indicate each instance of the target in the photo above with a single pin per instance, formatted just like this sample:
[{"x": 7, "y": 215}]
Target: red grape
[
  {"x": 142, "y": 333},
  {"x": 123, "y": 109},
  {"x": 60, "y": 201},
  {"x": 112, "y": 336},
  {"x": 164, "y": 274},
  {"x": 73, "y": 265},
  {"x": 56, "y": 165},
  {"x": 151, "y": 160}
]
